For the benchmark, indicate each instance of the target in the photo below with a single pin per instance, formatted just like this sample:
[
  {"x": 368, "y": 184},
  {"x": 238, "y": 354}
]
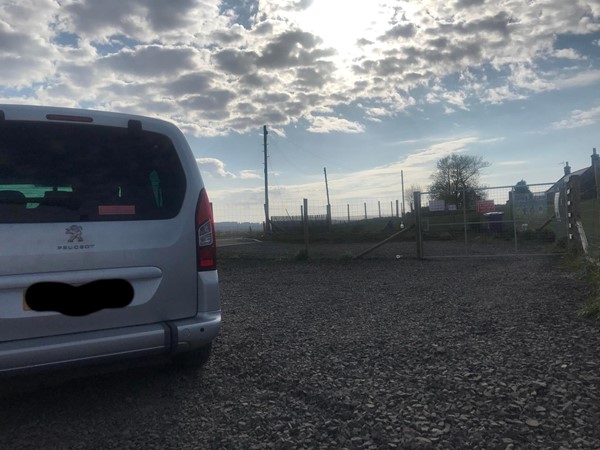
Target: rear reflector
[{"x": 206, "y": 249}]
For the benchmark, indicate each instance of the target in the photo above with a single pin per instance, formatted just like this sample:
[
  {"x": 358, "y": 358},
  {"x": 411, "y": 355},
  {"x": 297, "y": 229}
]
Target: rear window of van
[{"x": 61, "y": 172}]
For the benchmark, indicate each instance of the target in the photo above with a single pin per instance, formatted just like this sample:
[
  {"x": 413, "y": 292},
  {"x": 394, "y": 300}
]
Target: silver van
[{"x": 107, "y": 243}]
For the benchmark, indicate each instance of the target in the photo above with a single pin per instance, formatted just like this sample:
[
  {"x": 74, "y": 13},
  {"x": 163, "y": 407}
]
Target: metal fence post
[
  {"x": 419, "y": 230},
  {"x": 365, "y": 210},
  {"x": 348, "y": 205}
]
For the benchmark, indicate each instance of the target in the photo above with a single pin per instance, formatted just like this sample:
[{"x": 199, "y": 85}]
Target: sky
[{"x": 363, "y": 88}]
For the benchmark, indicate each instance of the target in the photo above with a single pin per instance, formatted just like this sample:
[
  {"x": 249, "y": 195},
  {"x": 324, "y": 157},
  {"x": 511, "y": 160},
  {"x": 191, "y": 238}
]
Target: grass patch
[
  {"x": 346, "y": 257},
  {"x": 591, "y": 270},
  {"x": 372, "y": 230}
]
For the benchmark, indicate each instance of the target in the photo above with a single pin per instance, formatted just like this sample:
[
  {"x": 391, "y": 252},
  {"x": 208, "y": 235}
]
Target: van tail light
[{"x": 206, "y": 246}]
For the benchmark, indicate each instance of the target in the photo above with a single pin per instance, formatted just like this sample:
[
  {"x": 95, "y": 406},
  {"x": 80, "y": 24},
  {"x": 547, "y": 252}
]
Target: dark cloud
[
  {"x": 169, "y": 15},
  {"x": 246, "y": 108},
  {"x": 276, "y": 117},
  {"x": 274, "y": 98},
  {"x": 439, "y": 43},
  {"x": 496, "y": 24},
  {"x": 360, "y": 87},
  {"x": 226, "y": 37},
  {"x": 404, "y": 31},
  {"x": 216, "y": 100},
  {"x": 236, "y": 61},
  {"x": 295, "y": 109},
  {"x": 316, "y": 76},
  {"x": 191, "y": 83},
  {"x": 254, "y": 80},
  {"x": 469, "y": 3},
  {"x": 91, "y": 17},
  {"x": 13, "y": 43},
  {"x": 263, "y": 29},
  {"x": 292, "y": 49},
  {"x": 150, "y": 61}
]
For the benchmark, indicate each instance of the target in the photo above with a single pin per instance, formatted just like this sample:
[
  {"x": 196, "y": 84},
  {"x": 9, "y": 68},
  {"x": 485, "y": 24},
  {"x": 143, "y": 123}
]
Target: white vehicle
[{"x": 107, "y": 244}]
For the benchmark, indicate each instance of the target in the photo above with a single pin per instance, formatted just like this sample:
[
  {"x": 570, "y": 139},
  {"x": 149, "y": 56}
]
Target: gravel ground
[{"x": 374, "y": 353}]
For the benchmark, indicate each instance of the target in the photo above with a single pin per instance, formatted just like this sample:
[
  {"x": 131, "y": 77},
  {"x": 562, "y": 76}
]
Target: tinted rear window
[{"x": 56, "y": 172}]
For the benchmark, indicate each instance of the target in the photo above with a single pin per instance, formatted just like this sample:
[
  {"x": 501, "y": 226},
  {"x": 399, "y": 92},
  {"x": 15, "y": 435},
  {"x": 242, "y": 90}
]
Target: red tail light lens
[{"x": 205, "y": 235}]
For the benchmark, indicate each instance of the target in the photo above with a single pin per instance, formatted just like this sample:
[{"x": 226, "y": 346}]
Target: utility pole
[
  {"x": 267, "y": 219},
  {"x": 328, "y": 204},
  {"x": 402, "y": 180}
]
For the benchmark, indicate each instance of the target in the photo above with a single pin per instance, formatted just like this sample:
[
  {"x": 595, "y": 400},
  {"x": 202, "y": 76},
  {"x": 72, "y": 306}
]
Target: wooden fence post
[
  {"x": 573, "y": 211},
  {"x": 419, "y": 231},
  {"x": 306, "y": 226}
]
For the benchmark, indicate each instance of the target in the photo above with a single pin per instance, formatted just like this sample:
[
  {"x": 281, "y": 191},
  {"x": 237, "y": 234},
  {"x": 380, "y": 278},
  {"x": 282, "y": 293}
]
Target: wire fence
[
  {"x": 243, "y": 217},
  {"x": 505, "y": 219}
]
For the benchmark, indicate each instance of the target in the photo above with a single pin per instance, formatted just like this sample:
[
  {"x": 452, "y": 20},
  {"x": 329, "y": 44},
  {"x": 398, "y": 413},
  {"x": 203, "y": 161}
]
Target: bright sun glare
[{"x": 340, "y": 23}]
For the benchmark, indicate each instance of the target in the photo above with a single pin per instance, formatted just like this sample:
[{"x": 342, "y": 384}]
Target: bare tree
[
  {"x": 456, "y": 179},
  {"x": 410, "y": 194}
]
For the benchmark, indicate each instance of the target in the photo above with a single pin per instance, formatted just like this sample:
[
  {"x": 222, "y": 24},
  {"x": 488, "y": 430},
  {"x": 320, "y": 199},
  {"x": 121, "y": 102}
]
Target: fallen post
[
  {"x": 546, "y": 223},
  {"x": 384, "y": 241}
]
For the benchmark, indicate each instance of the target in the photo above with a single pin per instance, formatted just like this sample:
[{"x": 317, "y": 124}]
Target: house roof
[{"x": 557, "y": 186}]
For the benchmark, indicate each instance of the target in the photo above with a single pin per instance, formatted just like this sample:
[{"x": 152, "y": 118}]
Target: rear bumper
[{"x": 159, "y": 339}]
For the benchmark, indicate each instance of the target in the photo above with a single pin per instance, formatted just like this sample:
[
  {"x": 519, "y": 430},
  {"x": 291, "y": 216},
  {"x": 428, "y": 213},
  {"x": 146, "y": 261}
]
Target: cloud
[
  {"x": 291, "y": 49},
  {"x": 578, "y": 119},
  {"x": 328, "y": 124},
  {"x": 140, "y": 19},
  {"x": 214, "y": 166},
  {"x": 512, "y": 163},
  {"x": 146, "y": 62},
  {"x": 249, "y": 175},
  {"x": 439, "y": 150},
  {"x": 581, "y": 79},
  {"x": 201, "y": 64}
]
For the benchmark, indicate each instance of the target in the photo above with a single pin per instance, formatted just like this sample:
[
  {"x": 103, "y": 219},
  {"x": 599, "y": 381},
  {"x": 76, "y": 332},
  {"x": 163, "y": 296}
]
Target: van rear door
[{"x": 83, "y": 201}]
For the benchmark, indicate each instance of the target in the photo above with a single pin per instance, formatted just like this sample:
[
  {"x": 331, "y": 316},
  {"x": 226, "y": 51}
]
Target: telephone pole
[
  {"x": 402, "y": 181},
  {"x": 328, "y": 204},
  {"x": 267, "y": 220}
]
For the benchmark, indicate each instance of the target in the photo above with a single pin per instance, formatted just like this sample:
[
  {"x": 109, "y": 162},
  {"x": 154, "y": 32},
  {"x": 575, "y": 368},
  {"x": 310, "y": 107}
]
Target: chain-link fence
[{"x": 494, "y": 220}]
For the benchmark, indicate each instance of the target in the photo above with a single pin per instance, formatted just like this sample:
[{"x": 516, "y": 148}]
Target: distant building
[{"x": 588, "y": 181}]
